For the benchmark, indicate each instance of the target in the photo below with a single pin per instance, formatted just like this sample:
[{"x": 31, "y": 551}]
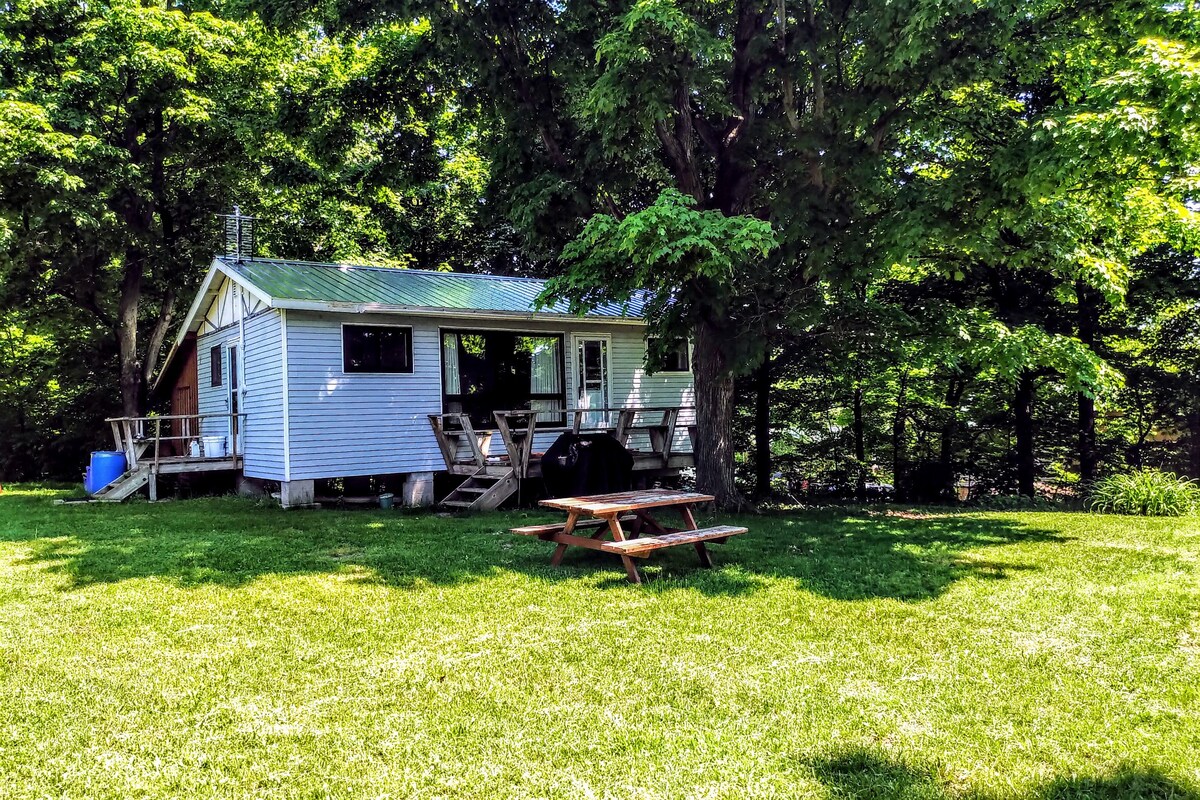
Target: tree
[
  {"x": 366, "y": 157},
  {"x": 677, "y": 257},
  {"x": 783, "y": 112},
  {"x": 130, "y": 132}
]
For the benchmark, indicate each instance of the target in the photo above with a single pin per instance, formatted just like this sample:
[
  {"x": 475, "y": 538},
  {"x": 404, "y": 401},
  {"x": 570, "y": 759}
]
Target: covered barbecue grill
[{"x": 590, "y": 463}]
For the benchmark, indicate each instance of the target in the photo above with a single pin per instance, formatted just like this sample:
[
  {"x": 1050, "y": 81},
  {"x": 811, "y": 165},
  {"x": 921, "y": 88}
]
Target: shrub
[{"x": 1148, "y": 492}]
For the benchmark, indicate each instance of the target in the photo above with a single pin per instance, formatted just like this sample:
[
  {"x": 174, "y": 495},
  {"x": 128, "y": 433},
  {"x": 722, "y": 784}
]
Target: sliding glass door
[{"x": 488, "y": 371}]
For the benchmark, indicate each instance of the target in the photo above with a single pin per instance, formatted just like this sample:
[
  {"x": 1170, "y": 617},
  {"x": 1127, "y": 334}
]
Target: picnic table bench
[{"x": 607, "y": 513}]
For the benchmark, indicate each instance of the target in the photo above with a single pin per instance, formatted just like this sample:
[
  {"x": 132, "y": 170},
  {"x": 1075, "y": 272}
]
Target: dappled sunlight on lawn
[{"x": 225, "y": 647}]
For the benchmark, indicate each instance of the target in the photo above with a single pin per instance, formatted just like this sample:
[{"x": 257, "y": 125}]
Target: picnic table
[{"x": 605, "y": 514}]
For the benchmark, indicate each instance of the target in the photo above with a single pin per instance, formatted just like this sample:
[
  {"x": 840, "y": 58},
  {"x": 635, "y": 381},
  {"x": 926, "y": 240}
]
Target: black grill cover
[{"x": 589, "y": 463}]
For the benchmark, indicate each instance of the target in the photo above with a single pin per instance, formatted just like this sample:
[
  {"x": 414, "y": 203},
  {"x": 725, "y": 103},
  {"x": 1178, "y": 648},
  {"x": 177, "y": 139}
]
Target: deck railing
[
  {"x": 135, "y": 436},
  {"x": 462, "y": 445}
]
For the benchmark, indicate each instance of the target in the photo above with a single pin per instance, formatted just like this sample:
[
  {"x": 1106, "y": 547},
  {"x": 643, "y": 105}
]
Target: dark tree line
[{"x": 913, "y": 242}]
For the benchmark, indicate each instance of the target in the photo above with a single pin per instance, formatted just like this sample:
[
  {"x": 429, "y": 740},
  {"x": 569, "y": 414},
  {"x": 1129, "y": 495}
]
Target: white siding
[
  {"x": 262, "y": 397},
  {"x": 228, "y": 306},
  {"x": 213, "y": 399},
  {"x": 357, "y": 424}
]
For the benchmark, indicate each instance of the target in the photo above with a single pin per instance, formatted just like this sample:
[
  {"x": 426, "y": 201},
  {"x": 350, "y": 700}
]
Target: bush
[{"x": 1147, "y": 492}]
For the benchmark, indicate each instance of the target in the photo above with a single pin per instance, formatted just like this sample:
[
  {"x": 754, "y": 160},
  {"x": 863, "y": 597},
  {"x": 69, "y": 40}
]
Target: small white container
[
  {"x": 194, "y": 448},
  {"x": 214, "y": 446}
]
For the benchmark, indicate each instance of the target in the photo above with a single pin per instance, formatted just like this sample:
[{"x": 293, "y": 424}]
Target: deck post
[
  {"x": 625, "y": 420},
  {"x": 130, "y": 448},
  {"x": 297, "y": 494},
  {"x": 510, "y": 446},
  {"x": 418, "y": 489},
  {"x": 443, "y": 440},
  {"x": 670, "y": 417}
]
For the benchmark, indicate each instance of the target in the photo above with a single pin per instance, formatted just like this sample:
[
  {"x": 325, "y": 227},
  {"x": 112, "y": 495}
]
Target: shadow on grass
[
  {"x": 864, "y": 774},
  {"x": 227, "y": 541},
  {"x": 846, "y": 556}
]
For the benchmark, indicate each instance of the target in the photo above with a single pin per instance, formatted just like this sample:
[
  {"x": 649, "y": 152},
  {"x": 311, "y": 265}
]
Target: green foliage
[
  {"x": 1146, "y": 492},
  {"x": 364, "y": 160},
  {"x": 674, "y": 252}
]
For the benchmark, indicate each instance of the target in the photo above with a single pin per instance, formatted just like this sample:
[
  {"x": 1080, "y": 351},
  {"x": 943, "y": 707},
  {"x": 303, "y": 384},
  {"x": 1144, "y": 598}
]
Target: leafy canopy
[{"x": 674, "y": 252}]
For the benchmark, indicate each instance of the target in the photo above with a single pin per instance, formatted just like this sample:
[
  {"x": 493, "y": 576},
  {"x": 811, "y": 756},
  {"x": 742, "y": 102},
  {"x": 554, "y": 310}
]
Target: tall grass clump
[{"x": 1147, "y": 492}]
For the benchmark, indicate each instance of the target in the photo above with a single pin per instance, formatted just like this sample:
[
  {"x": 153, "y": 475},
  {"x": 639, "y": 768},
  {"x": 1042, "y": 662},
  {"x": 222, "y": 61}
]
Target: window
[
  {"x": 488, "y": 371},
  {"x": 376, "y": 348},
  {"x": 667, "y": 357},
  {"x": 215, "y": 367}
]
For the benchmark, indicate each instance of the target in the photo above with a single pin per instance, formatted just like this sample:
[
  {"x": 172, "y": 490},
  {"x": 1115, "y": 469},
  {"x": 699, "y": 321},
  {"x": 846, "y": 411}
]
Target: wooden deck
[
  {"x": 152, "y": 445},
  {"x": 496, "y": 460},
  {"x": 466, "y": 450}
]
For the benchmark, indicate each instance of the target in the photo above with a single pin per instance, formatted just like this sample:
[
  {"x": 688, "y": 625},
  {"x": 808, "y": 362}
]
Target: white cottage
[{"x": 292, "y": 372}]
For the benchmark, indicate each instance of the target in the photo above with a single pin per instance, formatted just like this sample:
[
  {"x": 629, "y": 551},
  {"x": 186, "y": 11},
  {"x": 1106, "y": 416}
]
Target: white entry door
[
  {"x": 592, "y": 378},
  {"x": 233, "y": 396}
]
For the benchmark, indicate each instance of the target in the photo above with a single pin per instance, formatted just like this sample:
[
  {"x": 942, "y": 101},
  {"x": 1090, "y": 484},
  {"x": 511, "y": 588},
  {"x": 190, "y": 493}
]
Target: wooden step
[
  {"x": 124, "y": 487},
  {"x": 646, "y": 544},
  {"x": 481, "y": 491}
]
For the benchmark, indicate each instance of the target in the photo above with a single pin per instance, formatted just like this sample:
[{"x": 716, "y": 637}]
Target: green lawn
[{"x": 222, "y": 648}]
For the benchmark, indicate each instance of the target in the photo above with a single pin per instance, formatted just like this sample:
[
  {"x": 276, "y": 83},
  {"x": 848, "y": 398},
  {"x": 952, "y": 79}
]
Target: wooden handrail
[
  {"x": 638, "y": 410},
  {"x": 175, "y": 416},
  {"x": 517, "y": 428},
  {"x": 129, "y": 434}
]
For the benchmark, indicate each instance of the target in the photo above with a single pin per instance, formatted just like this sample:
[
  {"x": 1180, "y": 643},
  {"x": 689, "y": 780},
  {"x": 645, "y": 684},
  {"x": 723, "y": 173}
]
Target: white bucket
[{"x": 214, "y": 446}]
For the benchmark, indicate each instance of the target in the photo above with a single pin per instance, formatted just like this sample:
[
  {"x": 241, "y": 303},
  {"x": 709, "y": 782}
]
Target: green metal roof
[{"x": 309, "y": 284}]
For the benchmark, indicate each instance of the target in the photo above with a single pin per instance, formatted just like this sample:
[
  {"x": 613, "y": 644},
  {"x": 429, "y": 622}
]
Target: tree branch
[{"x": 166, "y": 316}]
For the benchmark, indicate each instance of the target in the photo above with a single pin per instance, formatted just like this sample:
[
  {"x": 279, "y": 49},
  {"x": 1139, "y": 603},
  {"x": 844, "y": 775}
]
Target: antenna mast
[{"x": 239, "y": 235}]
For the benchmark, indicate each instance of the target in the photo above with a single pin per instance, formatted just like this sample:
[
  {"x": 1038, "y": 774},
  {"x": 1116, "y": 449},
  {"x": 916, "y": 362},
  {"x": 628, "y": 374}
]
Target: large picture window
[
  {"x": 376, "y": 348},
  {"x": 488, "y": 371}
]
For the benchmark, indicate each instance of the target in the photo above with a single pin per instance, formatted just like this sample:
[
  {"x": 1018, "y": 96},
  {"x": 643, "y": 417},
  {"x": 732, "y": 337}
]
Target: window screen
[
  {"x": 376, "y": 348},
  {"x": 673, "y": 359}
]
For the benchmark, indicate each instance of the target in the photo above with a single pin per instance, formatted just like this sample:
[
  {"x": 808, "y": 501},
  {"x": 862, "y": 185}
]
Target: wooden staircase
[
  {"x": 483, "y": 490},
  {"x": 124, "y": 487}
]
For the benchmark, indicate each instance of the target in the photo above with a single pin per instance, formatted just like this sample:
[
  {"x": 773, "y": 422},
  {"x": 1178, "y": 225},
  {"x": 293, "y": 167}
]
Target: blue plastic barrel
[{"x": 107, "y": 466}]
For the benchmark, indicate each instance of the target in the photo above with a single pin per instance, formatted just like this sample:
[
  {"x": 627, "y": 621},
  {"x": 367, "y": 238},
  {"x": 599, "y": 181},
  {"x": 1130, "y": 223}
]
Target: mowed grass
[{"x": 221, "y": 648}]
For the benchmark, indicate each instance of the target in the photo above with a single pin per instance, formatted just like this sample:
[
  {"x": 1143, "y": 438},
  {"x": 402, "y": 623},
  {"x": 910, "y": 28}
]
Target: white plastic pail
[{"x": 214, "y": 446}]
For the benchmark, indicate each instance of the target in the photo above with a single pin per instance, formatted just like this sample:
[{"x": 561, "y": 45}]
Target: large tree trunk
[
  {"x": 1023, "y": 424},
  {"x": 1087, "y": 440},
  {"x": 899, "y": 426},
  {"x": 714, "y": 415},
  {"x": 1194, "y": 441},
  {"x": 1087, "y": 324},
  {"x": 132, "y": 381},
  {"x": 860, "y": 444},
  {"x": 762, "y": 428}
]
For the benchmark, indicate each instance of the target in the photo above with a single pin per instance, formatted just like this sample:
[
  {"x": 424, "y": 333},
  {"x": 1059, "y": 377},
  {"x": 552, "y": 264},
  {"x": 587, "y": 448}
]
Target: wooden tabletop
[{"x": 626, "y": 501}]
